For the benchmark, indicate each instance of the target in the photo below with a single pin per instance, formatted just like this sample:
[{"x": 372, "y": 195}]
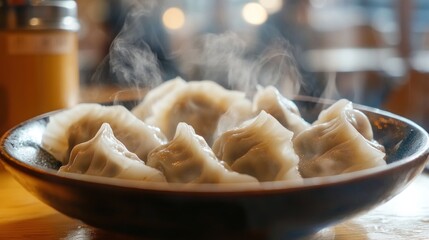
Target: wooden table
[{"x": 22, "y": 216}]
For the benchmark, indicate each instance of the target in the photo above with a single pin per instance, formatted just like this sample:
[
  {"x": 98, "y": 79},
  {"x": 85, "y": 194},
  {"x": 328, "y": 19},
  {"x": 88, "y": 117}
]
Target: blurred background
[{"x": 373, "y": 52}]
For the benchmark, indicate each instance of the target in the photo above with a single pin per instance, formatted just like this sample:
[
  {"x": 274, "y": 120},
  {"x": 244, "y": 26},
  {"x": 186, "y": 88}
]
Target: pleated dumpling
[
  {"x": 338, "y": 142},
  {"x": 70, "y": 127},
  {"x": 188, "y": 159},
  {"x": 284, "y": 110},
  {"x": 147, "y": 107},
  {"x": 357, "y": 118},
  {"x": 104, "y": 155},
  {"x": 260, "y": 147},
  {"x": 236, "y": 114},
  {"x": 199, "y": 104}
]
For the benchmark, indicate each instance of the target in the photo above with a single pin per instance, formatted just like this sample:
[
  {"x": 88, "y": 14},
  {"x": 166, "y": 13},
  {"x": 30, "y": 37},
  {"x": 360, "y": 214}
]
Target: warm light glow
[
  {"x": 254, "y": 13},
  {"x": 271, "y": 6},
  {"x": 34, "y": 22},
  {"x": 173, "y": 18}
]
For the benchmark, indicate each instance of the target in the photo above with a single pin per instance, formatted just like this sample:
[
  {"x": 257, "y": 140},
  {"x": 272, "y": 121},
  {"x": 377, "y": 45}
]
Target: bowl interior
[{"x": 401, "y": 137}]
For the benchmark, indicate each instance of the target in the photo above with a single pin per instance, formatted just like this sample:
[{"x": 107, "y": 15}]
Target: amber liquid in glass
[{"x": 38, "y": 73}]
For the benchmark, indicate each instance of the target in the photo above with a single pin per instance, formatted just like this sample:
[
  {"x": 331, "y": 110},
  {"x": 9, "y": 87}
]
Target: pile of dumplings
[{"x": 200, "y": 132}]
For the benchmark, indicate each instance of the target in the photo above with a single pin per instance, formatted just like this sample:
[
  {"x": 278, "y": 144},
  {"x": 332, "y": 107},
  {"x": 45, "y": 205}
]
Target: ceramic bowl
[{"x": 281, "y": 209}]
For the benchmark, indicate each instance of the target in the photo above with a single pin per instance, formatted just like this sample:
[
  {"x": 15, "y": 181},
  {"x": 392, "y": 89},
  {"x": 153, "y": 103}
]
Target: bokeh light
[
  {"x": 271, "y": 6},
  {"x": 254, "y": 13},
  {"x": 173, "y": 18}
]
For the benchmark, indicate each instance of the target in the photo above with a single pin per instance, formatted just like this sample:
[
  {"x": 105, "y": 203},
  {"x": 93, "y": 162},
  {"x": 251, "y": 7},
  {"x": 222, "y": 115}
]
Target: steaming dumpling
[
  {"x": 236, "y": 114},
  {"x": 188, "y": 159},
  {"x": 80, "y": 123},
  {"x": 199, "y": 104},
  {"x": 260, "y": 147},
  {"x": 284, "y": 110},
  {"x": 334, "y": 145},
  {"x": 355, "y": 117},
  {"x": 106, "y": 156},
  {"x": 146, "y": 107}
]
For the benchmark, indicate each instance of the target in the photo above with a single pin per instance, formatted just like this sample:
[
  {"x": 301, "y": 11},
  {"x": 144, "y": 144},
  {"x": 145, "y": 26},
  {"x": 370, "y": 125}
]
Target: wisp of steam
[
  {"x": 232, "y": 61},
  {"x": 130, "y": 61}
]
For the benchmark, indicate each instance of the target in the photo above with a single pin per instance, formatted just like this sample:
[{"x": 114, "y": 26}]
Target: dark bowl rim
[{"x": 217, "y": 189}]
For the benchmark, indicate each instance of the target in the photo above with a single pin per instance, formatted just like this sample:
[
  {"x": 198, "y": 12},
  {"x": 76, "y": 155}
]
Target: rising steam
[
  {"x": 232, "y": 61},
  {"x": 130, "y": 61}
]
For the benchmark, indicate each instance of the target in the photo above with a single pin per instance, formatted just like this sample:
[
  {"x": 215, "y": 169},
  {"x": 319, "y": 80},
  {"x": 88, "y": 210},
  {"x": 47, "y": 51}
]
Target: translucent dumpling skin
[
  {"x": 237, "y": 113},
  {"x": 148, "y": 106},
  {"x": 199, "y": 132},
  {"x": 198, "y": 103},
  {"x": 106, "y": 156},
  {"x": 188, "y": 159},
  {"x": 260, "y": 147},
  {"x": 80, "y": 123},
  {"x": 355, "y": 117},
  {"x": 284, "y": 110},
  {"x": 340, "y": 141}
]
